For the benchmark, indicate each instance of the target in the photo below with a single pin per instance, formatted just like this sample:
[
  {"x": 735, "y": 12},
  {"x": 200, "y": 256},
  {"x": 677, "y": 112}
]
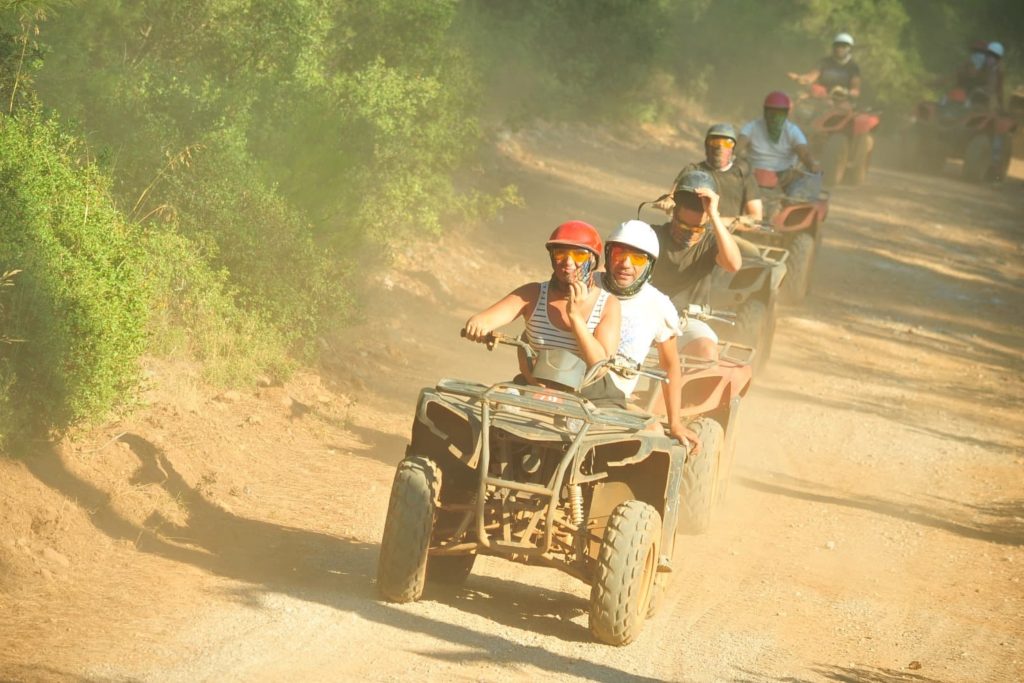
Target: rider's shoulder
[{"x": 531, "y": 290}]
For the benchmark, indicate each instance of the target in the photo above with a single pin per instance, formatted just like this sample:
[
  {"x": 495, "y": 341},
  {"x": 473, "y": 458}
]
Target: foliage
[
  {"x": 7, "y": 417},
  {"x": 81, "y": 304},
  {"x": 194, "y": 315}
]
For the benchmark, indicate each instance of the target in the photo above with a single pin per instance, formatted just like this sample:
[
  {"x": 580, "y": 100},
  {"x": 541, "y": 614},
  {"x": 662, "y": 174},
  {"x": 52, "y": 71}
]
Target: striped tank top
[{"x": 541, "y": 333}]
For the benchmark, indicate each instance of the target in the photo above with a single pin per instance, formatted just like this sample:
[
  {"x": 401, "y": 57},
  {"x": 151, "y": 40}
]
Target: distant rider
[
  {"x": 775, "y": 143},
  {"x": 692, "y": 243},
  {"x": 648, "y": 316},
  {"x": 838, "y": 70},
  {"x": 566, "y": 312}
]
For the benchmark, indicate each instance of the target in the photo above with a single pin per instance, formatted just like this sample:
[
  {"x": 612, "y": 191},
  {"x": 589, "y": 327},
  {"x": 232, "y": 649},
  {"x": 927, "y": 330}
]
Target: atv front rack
[{"x": 537, "y": 414}]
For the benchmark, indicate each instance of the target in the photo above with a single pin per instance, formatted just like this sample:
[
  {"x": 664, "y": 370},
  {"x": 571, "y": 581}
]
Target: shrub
[{"x": 81, "y": 304}]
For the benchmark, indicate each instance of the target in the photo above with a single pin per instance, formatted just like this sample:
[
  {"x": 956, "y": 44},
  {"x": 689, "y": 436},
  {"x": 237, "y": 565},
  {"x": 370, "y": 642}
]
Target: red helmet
[
  {"x": 576, "y": 234},
  {"x": 778, "y": 100}
]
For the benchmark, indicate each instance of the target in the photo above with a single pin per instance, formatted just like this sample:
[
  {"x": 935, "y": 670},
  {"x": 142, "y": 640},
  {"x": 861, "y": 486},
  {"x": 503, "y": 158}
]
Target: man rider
[
  {"x": 692, "y": 243},
  {"x": 648, "y": 316},
  {"x": 775, "y": 143},
  {"x": 738, "y": 194},
  {"x": 836, "y": 70}
]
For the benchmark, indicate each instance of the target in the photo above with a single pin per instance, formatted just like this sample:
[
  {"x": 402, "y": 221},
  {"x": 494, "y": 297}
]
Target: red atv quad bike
[
  {"x": 839, "y": 133},
  {"x": 796, "y": 226},
  {"x": 962, "y": 127},
  {"x": 711, "y": 396}
]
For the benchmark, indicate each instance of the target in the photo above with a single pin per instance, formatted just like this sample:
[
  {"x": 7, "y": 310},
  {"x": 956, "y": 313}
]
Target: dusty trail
[{"x": 873, "y": 530}]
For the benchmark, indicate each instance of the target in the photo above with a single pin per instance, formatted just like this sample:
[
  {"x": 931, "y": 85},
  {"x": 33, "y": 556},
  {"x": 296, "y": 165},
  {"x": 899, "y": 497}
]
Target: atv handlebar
[
  {"x": 618, "y": 364},
  {"x": 705, "y": 313}
]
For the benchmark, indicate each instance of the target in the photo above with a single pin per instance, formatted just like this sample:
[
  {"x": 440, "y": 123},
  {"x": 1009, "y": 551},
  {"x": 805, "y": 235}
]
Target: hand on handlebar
[
  {"x": 686, "y": 436},
  {"x": 474, "y": 331}
]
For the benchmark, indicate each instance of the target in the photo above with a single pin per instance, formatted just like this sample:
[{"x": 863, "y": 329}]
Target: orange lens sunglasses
[
  {"x": 727, "y": 143},
  {"x": 637, "y": 259},
  {"x": 579, "y": 256}
]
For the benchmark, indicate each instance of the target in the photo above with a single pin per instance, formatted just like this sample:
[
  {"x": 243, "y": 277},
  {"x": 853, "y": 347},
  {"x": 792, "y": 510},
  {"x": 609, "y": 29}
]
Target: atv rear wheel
[
  {"x": 977, "y": 158},
  {"x": 834, "y": 158},
  {"x": 800, "y": 262},
  {"x": 860, "y": 158},
  {"x": 401, "y": 569},
  {"x": 754, "y": 328},
  {"x": 624, "y": 576},
  {"x": 699, "y": 490}
]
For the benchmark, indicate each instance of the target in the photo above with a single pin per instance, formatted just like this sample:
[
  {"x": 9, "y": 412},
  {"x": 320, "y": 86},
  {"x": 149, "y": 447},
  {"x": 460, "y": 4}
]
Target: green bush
[
  {"x": 81, "y": 303},
  {"x": 195, "y": 316},
  {"x": 262, "y": 247}
]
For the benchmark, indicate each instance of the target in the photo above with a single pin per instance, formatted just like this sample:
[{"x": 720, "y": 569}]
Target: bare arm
[
  {"x": 855, "y": 86},
  {"x": 806, "y": 78},
  {"x": 501, "y": 313},
  {"x": 804, "y": 153},
  {"x": 754, "y": 209},
  {"x": 668, "y": 358},
  {"x": 728, "y": 256}
]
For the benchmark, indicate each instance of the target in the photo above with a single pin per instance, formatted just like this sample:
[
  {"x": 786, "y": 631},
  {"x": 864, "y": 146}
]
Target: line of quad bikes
[{"x": 542, "y": 476}]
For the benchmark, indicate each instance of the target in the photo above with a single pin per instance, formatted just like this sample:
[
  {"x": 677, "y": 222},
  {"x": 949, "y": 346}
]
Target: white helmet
[
  {"x": 844, "y": 38},
  {"x": 996, "y": 48},
  {"x": 639, "y": 236}
]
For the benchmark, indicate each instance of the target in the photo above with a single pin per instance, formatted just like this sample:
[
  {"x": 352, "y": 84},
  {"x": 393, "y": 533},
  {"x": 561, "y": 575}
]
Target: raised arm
[{"x": 502, "y": 312}]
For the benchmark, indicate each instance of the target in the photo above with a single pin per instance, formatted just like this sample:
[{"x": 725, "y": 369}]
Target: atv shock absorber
[{"x": 576, "y": 504}]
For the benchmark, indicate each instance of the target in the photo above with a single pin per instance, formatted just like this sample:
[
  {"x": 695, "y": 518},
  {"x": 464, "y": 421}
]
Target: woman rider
[{"x": 566, "y": 312}]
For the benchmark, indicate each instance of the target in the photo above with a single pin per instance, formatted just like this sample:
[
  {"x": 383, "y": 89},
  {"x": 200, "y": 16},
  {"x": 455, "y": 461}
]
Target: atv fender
[
  {"x": 865, "y": 123},
  {"x": 655, "y": 481},
  {"x": 833, "y": 121}
]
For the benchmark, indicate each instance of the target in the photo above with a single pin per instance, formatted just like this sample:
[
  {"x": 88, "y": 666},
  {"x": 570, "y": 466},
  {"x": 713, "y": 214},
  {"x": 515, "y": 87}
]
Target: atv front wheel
[
  {"x": 834, "y": 158},
  {"x": 624, "y": 576},
  {"x": 699, "y": 490},
  {"x": 401, "y": 569},
  {"x": 860, "y": 158},
  {"x": 977, "y": 158},
  {"x": 800, "y": 262}
]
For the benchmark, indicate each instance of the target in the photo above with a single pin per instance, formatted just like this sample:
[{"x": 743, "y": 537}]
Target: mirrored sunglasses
[
  {"x": 579, "y": 256},
  {"x": 637, "y": 259},
  {"x": 726, "y": 143}
]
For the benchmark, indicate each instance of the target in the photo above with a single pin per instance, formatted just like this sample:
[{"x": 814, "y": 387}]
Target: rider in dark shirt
[
  {"x": 738, "y": 193},
  {"x": 692, "y": 243},
  {"x": 838, "y": 70}
]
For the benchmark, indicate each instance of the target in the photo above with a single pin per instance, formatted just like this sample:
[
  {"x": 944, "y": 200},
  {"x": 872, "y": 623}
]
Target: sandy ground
[{"x": 873, "y": 530}]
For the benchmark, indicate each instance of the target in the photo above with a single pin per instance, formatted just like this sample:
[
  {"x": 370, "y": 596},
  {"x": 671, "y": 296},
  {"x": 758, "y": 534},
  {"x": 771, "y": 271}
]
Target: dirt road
[{"x": 873, "y": 530}]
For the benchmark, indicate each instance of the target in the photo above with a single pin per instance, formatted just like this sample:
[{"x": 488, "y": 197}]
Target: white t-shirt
[
  {"x": 648, "y": 317},
  {"x": 766, "y": 153}
]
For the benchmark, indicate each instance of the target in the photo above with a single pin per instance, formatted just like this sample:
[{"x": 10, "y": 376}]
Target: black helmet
[
  {"x": 721, "y": 130},
  {"x": 694, "y": 179}
]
